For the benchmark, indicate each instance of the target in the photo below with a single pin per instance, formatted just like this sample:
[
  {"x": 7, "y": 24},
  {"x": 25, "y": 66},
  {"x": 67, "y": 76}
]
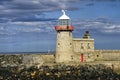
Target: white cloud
[
  {"x": 1, "y": 28},
  {"x": 12, "y": 28},
  {"x": 104, "y": 27}
]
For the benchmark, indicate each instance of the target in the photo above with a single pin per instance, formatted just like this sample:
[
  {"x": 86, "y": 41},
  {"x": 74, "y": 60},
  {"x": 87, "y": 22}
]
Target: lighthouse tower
[{"x": 64, "y": 50}]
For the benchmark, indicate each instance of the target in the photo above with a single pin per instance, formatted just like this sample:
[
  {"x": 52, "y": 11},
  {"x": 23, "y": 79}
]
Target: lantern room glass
[{"x": 64, "y": 22}]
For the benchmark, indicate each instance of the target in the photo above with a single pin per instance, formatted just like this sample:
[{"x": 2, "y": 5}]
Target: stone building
[{"x": 68, "y": 47}]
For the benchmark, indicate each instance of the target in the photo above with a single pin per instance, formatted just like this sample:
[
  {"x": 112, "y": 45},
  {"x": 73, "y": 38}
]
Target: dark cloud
[
  {"x": 101, "y": 0},
  {"x": 24, "y": 11},
  {"x": 32, "y": 19},
  {"x": 2, "y": 20},
  {"x": 17, "y": 9},
  {"x": 4, "y": 1},
  {"x": 90, "y": 4}
]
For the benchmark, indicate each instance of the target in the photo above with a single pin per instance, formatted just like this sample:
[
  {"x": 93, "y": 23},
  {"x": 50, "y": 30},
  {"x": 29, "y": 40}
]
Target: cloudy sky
[{"x": 28, "y": 25}]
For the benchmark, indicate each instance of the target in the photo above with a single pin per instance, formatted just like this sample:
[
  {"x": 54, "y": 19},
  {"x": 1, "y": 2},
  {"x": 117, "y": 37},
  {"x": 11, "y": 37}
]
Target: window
[
  {"x": 58, "y": 56},
  {"x": 88, "y": 45},
  {"x": 70, "y": 45},
  {"x": 97, "y": 55},
  {"x": 82, "y": 46},
  {"x": 64, "y": 22},
  {"x": 58, "y": 43},
  {"x": 88, "y": 55},
  {"x": 71, "y": 57},
  {"x": 69, "y": 33}
]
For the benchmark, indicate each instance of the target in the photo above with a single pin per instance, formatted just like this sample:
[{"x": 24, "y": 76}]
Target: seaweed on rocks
[{"x": 63, "y": 72}]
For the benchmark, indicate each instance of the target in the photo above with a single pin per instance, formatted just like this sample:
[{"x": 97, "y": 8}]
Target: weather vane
[{"x": 63, "y": 12}]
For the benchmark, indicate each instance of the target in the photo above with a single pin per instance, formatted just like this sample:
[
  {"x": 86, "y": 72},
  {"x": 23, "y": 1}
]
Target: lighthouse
[{"x": 64, "y": 45}]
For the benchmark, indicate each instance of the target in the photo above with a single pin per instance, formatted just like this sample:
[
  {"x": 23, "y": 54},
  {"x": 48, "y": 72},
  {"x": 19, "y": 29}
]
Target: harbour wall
[{"x": 108, "y": 57}]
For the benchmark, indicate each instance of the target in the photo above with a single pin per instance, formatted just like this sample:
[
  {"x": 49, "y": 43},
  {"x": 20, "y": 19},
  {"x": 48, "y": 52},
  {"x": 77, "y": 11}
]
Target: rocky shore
[
  {"x": 12, "y": 68},
  {"x": 59, "y": 72},
  {"x": 10, "y": 59}
]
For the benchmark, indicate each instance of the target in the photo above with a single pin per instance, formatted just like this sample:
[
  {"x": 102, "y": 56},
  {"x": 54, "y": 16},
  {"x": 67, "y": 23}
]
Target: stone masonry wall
[
  {"x": 107, "y": 55},
  {"x": 40, "y": 59},
  {"x": 25, "y": 59}
]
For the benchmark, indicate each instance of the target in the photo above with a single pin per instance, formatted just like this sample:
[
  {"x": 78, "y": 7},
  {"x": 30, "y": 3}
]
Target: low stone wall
[
  {"x": 41, "y": 59},
  {"x": 25, "y": 59},
  {"x": 37, "y": 59},
  {"x": 108, "y": 55}
]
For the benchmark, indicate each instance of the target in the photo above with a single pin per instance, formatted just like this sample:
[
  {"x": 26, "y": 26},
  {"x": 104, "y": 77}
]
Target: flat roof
[{"x": 91, "y": 39}]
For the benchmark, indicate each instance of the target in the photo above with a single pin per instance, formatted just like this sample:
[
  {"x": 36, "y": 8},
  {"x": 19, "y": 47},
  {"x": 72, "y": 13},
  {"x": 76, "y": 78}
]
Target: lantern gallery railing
[{"x": 64, "y": 28}]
